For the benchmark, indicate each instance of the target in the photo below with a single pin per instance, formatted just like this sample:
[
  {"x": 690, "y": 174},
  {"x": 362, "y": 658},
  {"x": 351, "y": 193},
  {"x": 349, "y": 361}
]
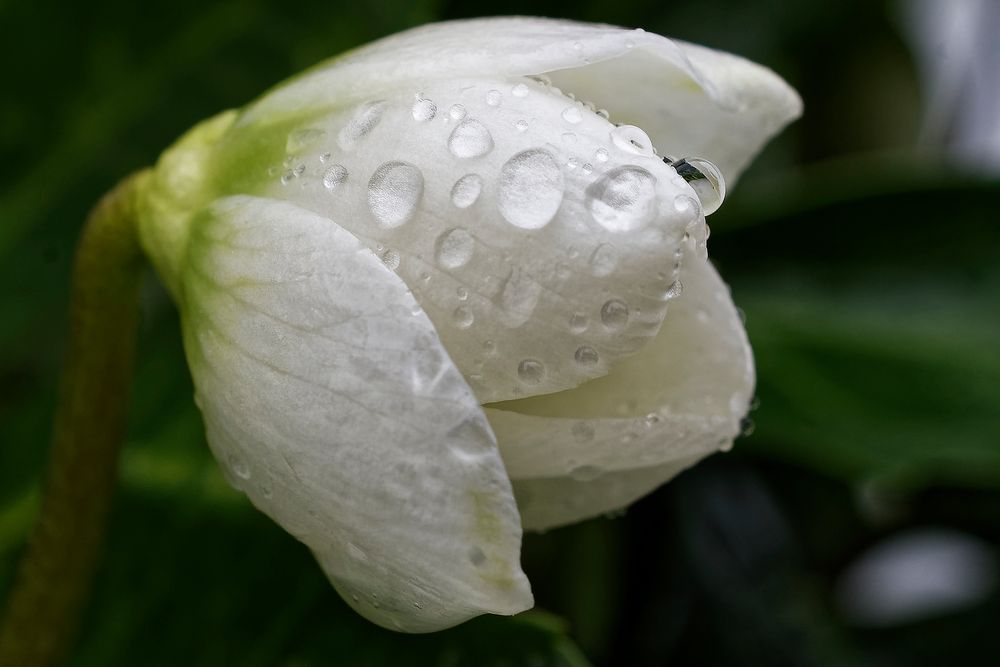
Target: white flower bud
[{"x": 462, "y": 214}]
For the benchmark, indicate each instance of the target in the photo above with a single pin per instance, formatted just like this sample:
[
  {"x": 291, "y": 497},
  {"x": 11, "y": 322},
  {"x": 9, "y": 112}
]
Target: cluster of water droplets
[{"x": 619, "y": 195}]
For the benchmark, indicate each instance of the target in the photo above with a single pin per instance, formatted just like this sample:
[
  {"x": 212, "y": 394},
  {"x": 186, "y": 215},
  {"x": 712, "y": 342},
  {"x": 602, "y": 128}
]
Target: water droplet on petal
[
  {"x": 463, "y": 317},
  {"x": 578, "y": 323},
  {"x": 470, "y": 139},
  {"x": 239, "y": 467},
  {"x": 614, "y": 314},
  {"x": 603, "y": 261},
  {"x": 586, "y": 356},
  {"x": 572, "y": 115},
  {"x": 424, "y": 109},
  {"x": 631, "y": 139},
  {"x": 673, "y": 291},
  {"x": 454, "y": 248},
  {"x": 457, "y": 112},
  {"x": 531, "y": 370},
  {"x": 334, "y": 176},
  {"x": 521, "y": 125},
  {"x": 601, "y": 155},
  {"x": 489, "y": 347},
  {"x": 394, "y": 191},
  {"x": 391, "y": 259},
  {"x": 623, "y": 199},
  {"x": 493, "y": 98},
  {"x": 520, "y": 90},
  {"x": 466, "y": 190},
  {"x": 705, "y": 179},
  {"x": 688, "y": 207},
  {"x": 364, "y": 120},
  {"x": 531, "y": 189}
]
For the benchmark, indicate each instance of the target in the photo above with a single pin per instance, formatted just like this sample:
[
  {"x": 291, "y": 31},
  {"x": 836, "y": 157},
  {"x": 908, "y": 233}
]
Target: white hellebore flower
[{"x": 430, "y": 295}]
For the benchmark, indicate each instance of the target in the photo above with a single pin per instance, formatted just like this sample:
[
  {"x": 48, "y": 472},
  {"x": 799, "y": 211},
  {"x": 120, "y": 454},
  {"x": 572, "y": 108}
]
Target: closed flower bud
[{"x": 444, "y": 286}]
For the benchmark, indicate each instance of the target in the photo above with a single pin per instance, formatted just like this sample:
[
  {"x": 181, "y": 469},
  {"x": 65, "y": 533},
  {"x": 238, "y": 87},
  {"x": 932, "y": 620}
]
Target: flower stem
[{"x": 63, "y": 550}]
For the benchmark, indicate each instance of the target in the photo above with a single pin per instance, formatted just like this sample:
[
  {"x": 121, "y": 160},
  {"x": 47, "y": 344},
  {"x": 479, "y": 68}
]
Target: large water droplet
[
  {"x": 705, "y": 179},
  {"x": 424, "y": 109},
  {"x": 603, "y": 261},
  {"x": 631, "y": 139},
  {"x": 531, "y": 370},
  {"x": 470, "y": 139},
  {"x": 614, "y": 314},
  {"x": 394, "y": 192},
  {"x": 623, "y": 199},
  {"x": 334, "y": 176},
  {"x": 531, "y": 189},
  {"x": 364, "y": 120},
  {"x": 454, "y": 248},
  {"x": 578, "y": 322},
  {"x": 466, "y": 190}
]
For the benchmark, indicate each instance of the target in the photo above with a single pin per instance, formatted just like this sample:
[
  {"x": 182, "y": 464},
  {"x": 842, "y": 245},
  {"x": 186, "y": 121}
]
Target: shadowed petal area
[
  {"x": 679, "y": 399},
  {"x": 329, "y": 400}
]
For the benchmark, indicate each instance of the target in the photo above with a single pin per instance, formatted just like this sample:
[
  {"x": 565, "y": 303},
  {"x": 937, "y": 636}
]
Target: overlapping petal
[
  {"x": 679, "y": 399},
  {"x": 330, "y": 401}
]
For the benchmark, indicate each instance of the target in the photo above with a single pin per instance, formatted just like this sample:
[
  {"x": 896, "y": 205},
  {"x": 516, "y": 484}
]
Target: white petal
[
  {"x": 540, "y": 251},
  {"x": 680, "y": 398},
  {"x": 331, "y": 403},
  {"x": 691, "y": 100}
]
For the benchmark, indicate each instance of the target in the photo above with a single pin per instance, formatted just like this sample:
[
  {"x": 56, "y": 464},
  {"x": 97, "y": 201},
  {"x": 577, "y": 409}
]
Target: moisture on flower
[{"x": 455, "y": 283}]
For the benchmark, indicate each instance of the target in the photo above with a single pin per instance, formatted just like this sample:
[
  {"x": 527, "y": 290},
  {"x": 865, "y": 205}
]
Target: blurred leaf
[
  {"x": 873, "y": 304},
  {"x": 186, "y": 585}
]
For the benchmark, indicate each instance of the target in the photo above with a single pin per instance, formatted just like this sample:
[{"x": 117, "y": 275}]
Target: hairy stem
[{"x": 64, "y": 548}]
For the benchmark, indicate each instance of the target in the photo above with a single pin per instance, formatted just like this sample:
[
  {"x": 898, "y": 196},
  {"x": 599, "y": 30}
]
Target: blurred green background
[{"x": 867, "y": 262}]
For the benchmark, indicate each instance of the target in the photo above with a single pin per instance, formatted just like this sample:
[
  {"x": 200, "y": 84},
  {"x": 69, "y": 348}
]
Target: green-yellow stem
[{"x": 63, "y": 550}]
